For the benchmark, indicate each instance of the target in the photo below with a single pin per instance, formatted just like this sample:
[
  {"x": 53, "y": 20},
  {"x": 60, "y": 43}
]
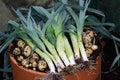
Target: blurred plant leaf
[
  {"x": 8, "y": 40},
  {"x": 115, "y": 61},
  {"x": 5, "y": 70}
]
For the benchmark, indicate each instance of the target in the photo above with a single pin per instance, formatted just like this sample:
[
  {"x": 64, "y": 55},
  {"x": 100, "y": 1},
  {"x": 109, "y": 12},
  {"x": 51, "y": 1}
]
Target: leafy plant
[
  {"x": 107, "y": 30},
  {"x": 44, "y": 30}
]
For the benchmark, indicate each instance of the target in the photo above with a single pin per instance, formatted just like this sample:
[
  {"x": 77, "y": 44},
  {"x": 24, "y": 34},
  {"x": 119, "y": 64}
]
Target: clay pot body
[
  {"x": 87, "y": 74},
  {"x": 20, "y": 73}
]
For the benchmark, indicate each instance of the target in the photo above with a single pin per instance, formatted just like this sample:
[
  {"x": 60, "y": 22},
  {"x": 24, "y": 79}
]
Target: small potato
[
  {"x": 87, "y": 39},
  {"x": 89, "y": 51},
  {"x": 34, "y": 69},
  {"x": 90, "y": 33},
  {"x": 27, "y": 65},
  {"x": 88, "y": 45},
  {"x": 33, "y": 63},
  {"x": 24, "y": 62},
  {"x": 35, "y": 56},
  {"x": 16, "y": 51},
  {"x": 27, "y": 51},
  {"x": 88, "y": 36},
  {"x": 94, "y": 47},
  {"x": 42, "y": 65},
  {"x": 20, "y": 43},
  {"x": 20, "y": 58}
]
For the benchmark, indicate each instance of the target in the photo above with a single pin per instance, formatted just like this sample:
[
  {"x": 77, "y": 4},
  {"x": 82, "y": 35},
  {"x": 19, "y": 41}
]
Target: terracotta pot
[
  {"x": 20, "y": 73},
  {"x": 87, "y": 74}
]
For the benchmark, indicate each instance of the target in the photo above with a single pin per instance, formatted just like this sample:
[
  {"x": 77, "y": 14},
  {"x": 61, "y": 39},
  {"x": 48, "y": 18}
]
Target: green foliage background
[{"x": 111, "y": 8}]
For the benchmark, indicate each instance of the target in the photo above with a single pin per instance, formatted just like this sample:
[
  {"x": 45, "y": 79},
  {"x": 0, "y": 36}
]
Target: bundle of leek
[
  {"x": 35, "y": 33},
  {"x": 57, "y": 53},
  {"x": 79, "y": 20}
]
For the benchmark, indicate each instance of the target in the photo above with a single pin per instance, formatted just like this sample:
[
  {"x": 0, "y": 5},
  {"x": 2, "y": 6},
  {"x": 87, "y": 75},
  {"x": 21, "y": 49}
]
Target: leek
[
  {"x": 49, "y": 46},
  {"x": 68, "y": 50},
  {"x": 57, "y": 29},
  {"x": 62, "y": 43},
  {"x": 74, "y": 41},
  {"x": 79, "y": 20}
]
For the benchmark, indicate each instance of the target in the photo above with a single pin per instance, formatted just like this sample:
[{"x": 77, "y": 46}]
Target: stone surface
[{"x": 5, "y": 15}]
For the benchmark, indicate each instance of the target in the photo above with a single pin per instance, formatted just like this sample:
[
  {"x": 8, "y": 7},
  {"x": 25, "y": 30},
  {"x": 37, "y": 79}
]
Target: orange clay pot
[{"x": 20, "y": 73}]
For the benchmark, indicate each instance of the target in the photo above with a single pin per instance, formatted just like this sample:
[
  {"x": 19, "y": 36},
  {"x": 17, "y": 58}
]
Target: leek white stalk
[
  {"x": 69, "y": 51},
  {"x": 62, "y": 46},
  {"x": 53, "y": 51},
  {"x": 74, "y": 41},
  {"x": 61, "y": 49}
]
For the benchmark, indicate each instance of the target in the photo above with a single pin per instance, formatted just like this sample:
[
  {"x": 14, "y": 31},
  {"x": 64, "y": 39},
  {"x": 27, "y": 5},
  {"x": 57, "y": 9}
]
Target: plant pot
[
  {"x": 88, "y": 74},
  {"x": 20, "y": 73}
]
